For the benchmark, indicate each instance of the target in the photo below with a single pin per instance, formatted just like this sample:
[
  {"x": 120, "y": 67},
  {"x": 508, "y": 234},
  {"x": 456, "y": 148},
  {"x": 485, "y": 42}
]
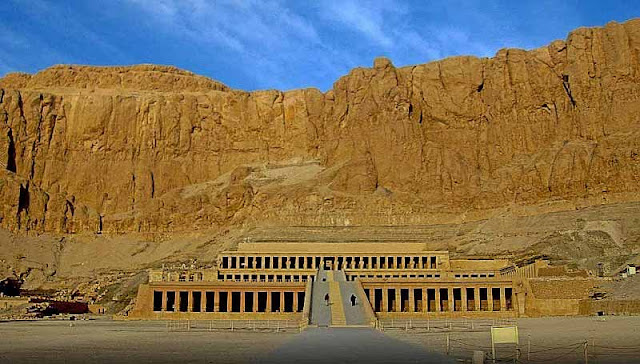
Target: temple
[{"x": 342, "y": 283}]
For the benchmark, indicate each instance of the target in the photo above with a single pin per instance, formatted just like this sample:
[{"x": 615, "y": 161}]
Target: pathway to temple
[{"x": 349, "y": 345}]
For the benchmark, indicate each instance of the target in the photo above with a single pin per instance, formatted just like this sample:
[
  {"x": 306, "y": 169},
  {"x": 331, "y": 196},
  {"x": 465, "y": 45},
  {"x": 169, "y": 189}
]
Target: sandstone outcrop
[{"x": 156, "y": 149}]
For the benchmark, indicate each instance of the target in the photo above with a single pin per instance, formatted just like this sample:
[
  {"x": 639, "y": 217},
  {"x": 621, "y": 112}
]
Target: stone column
[
  {"x": 385, "y": 299},
  {"x": 269, "y": 304},
  {"x": 216, "y": 301},
  {"x": 398, "y": 300},
  {"x": 254, "y": 307},
  {"x": 412, "y": 301},
  {"x": 438, "y": 305},
  {"x": 229, "y": 301},
  {"x": 295, "y": 301},
  {"x": 164, "y": 301},
  {"x": 490, "y": 298},
  {"x": 189, "y": 301},
  {"x": 177, "y": 302},
  {"x": 242, "y": 300},
  {"x": 463, "y": 296},
  {"x": 476, "y": 298},
  {"x": 503, "y": 300},
  {"x": 425, "y": 300},
  {"x": 450, "y": 299},
  {"x": 281, "y": 301}
]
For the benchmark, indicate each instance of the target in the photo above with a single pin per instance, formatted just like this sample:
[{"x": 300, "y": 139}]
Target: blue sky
[{"x": 256, "y": 44}]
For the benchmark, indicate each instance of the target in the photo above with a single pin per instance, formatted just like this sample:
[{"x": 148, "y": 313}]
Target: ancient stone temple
[{"x": 336, "y": 283}]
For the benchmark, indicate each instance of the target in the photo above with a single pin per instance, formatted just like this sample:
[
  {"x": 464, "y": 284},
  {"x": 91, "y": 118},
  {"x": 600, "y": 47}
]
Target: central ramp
[
  {"x": 346, "y": 306},
  {"x": 350, "y": 345}
]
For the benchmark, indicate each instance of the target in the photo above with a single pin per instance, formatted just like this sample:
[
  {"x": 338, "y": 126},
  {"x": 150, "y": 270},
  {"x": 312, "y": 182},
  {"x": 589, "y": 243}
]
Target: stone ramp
[
  {"x": 355, "y": 315},
  {"x": 340, "y": 312},
  {"x": 349, "y": 345},
  {"x": 320, "y": 312}
]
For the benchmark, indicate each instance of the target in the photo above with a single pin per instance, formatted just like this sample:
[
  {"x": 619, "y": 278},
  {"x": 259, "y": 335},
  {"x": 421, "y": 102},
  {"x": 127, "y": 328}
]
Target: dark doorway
[
  {"x": 391, "y": 304},
  {"x": 288, "y": 302},
  {"x": 431, "y": 300},
  {"x": 300, "y": 307},
  {"x": 404, "y": 300},
  {"x": 171, "y": 301},
  {"x": 184, "y": 301},
  {"x": 377, "y": 299},
  {"x": 471, "y": 299},
  {"x": 457, "y": 299},
  {"x": 262, "y": 301},
  {"x": 483, "y": 299},
  {"x": 496, "y": 299},
  {"x": 248, "y": 302},
  {"x": 223, "y": 299},
  {"x": 508, "y": 296},
  {"x": 235, "y": 301},
  {"x": 417, "y": 300},
  {"x": 275, "y": 302},
  {"x": 157, "y": 300},
  {"x": 197, "y": 299},
  {"x": 209, "y": 304},
  {"x": 444, "y": 299}
]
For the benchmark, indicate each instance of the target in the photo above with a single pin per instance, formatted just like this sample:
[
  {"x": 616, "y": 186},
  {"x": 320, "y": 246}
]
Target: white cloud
[{"x": 367, "y": 19}]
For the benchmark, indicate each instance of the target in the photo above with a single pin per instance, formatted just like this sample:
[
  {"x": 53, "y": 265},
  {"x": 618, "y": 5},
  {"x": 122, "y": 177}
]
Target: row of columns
[
  {"x": 337, "y": 262},
  {"x": 264, "y": 277},
  {"x": 437, "y": 295},
  {"x": 210, "y": 301}
]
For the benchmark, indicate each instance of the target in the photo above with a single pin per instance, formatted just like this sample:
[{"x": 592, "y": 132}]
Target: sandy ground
[
  {"x": 609, "y": 339},
  {"x": 127, "y": 342},
  {"x": 553, "y": 340}
]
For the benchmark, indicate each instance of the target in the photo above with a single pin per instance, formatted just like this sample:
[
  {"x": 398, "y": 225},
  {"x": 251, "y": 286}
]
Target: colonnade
[
  {"x": 272, "y": 300},
  {"x": 385, "y": 298},
  {"x": 235, "y": 277},
  {"x": 330, "y": 262}
]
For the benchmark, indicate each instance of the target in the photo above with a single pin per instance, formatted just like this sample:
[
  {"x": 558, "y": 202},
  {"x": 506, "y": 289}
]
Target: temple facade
[{"x": 292, "y": 280}]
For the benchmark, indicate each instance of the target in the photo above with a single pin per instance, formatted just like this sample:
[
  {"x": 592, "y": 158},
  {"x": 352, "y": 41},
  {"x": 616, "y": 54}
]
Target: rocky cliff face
[{"x": 157, "y": 149}]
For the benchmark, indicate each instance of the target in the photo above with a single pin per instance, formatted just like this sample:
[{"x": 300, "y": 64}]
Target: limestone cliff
[{"x": 157, "y": 149}]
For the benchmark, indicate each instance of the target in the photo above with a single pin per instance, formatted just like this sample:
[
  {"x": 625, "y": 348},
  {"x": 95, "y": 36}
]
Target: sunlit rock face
[{"x": 156, "y": 149}]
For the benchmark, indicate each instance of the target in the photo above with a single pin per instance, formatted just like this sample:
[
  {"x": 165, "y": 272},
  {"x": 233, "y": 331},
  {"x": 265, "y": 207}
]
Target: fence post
[
  {"x": 448, "y": 345},
  {"x": 528, "y": 347},
  {"x": 586, "y": 352}
]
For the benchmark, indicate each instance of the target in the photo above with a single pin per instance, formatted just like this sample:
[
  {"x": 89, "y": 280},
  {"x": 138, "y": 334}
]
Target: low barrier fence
[
  {"x": 442, "y": 324},
  {"x": 235, "y": 325}
]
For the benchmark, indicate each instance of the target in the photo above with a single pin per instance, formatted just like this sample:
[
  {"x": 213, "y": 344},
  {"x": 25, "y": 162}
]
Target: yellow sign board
[{"x": 504, "y": 335}]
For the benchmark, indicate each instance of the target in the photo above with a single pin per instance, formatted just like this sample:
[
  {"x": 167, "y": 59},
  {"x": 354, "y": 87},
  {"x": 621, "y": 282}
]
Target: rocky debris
[{"x": 619, "y": 289}]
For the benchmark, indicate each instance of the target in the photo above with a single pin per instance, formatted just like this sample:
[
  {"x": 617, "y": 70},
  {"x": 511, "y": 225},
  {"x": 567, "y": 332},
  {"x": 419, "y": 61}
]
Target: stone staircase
[{"x": 338, "y": 317}]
